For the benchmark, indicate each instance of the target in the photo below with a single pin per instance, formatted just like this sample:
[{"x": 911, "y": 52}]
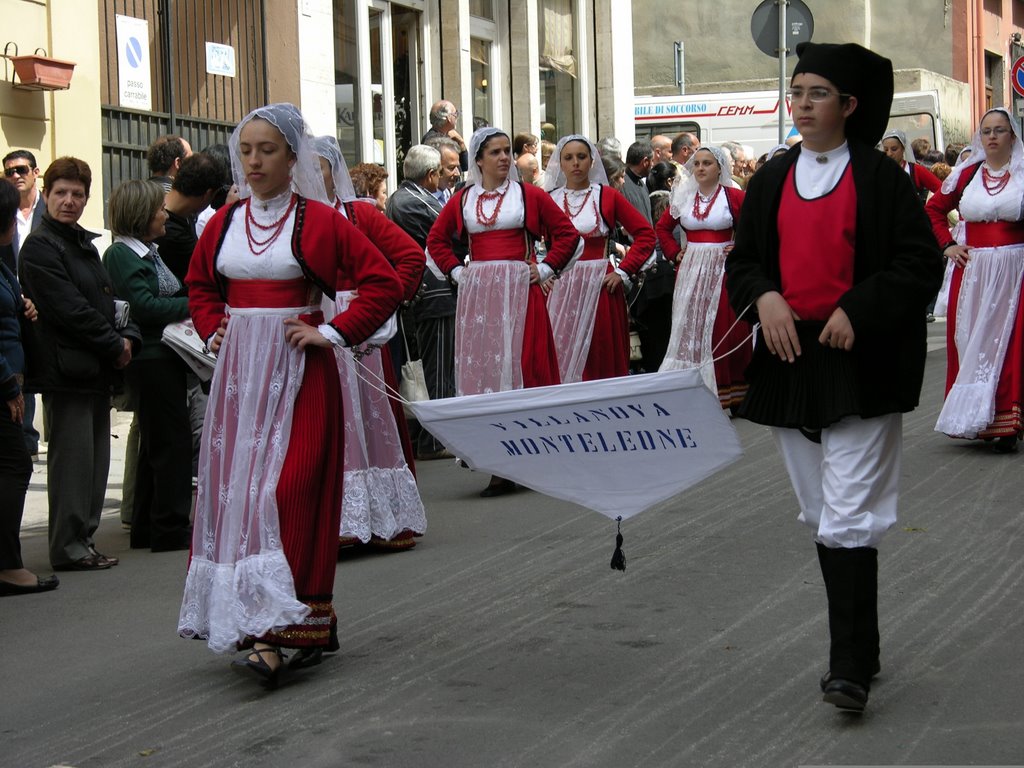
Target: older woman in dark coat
[{"x": 76, "y": 356}]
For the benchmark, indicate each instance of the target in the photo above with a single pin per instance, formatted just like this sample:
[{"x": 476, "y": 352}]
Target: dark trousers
[
  {"x": 77, "y": 463},
  {"x": 163, "y": 477},
  {"x": 436, "y": 341},
  {"x": 31, "y": 433},
  {"x": 15, "y": 471}
]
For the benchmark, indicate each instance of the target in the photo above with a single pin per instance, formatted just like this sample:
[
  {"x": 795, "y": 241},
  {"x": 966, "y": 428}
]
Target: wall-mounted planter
[{"x": 39, "y": 72}]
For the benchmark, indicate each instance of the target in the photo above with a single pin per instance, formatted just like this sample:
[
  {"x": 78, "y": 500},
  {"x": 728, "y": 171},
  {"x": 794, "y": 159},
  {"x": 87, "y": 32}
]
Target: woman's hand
[
  {"x": 534, "y": 273},
  {"x": 777, "y": 324},
  {"x": 31, "y": 313},
  {"x": 17, "y": 408},
  {"x": 838, "y": 331},
  {"x": 126, "y": 355},
  {"x": 612, "y": 282},
  {"x": 218, "y": 336},
  {"x": 548, "y": 286},
  {"x": 301, "y": 335},
  {"x": 958, "y": 254}
]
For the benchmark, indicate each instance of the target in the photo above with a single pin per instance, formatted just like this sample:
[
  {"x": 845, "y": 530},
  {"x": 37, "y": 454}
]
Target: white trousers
[{"x": 847, "y": 486}]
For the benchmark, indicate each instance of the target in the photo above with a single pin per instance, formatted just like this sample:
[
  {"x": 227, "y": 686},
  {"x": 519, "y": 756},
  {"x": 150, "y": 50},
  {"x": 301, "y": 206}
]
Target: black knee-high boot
[
  {"x": 867, "y": 612},
  {"x": 846, "y": 684}
]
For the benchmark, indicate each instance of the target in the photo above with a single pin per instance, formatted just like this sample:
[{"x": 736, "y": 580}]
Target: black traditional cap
[{"x": 855, "y": 70}]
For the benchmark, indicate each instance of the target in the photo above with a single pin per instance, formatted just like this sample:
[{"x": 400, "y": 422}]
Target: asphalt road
[{"x": 504, "y": 639}]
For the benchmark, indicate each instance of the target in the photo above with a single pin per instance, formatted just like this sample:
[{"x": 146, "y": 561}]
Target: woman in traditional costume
[
  {"x": 381, "y": 505},
  {"x": 895, "y": 145},
  {"x": 503, "y": 335},
  {"x": 264, "y": 545},
  {"x": 985, "y": 326},
  {"x": 587, "y": 305},
  {"x": 704, "y": 327}
]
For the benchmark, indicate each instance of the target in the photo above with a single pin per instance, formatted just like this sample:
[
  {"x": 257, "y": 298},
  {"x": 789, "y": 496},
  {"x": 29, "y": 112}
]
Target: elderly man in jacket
[{"x": 75, "y": 357}]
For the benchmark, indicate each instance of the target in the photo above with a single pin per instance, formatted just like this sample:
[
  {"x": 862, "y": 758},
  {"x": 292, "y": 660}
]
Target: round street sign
[
  {"x": 764, "y": 26},
  {"x": 1017, "y": 76}
]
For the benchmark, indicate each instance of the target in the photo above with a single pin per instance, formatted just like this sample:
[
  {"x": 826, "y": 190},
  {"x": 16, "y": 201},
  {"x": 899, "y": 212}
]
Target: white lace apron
[
  {"x": 572, "y": 307},
  {"x": 490, "y": 319},
  {"x": 986, "y": 309},
  {"x": 380, "y": 494},
  {"x": 697, "y": 292},
  {"x": 239, "y": 582}
]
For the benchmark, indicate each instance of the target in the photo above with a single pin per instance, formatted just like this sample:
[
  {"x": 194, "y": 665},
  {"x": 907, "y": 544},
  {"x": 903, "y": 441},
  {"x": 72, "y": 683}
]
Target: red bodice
[
  {"x": 993, "y": 234},
  {"x": 500, "y": 245},
  {"x": 708, "y": 235}
]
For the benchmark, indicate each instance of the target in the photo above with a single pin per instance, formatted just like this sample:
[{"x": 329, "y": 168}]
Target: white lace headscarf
[
  {"x": 901, "y": 137},
  {"x": 328, "y": 148},
  {"x": 777, "y": 148},
  {"x": 977, "y": 153},
  {"x": 553, "y": 175},
  {"x": 477, "y": 140},
  {"x": 306, "y": 177},
  {"x": 682, "y": 194}
]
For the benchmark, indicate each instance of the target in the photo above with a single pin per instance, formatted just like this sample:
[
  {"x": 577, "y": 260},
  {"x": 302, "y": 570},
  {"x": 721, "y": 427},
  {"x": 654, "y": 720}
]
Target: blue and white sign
[
  {"x": 134, "y": 77},
  {"x": 616, "y": 446},
  {"x": 220, "y": 59}
]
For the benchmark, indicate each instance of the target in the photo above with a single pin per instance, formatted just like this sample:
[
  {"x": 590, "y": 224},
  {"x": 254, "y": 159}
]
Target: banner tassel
[{"x": 618, "y": 558}]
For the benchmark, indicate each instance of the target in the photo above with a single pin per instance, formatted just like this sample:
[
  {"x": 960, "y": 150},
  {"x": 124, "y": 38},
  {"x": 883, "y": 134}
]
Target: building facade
[{"x": 963, "y": 49}]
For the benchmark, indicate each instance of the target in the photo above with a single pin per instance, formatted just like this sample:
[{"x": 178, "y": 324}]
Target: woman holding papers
[
  {"x": 587, "y": 305},
  {"x": 155, "y": 380},
  {"x": 503, "y": 335},
  {"x": 706, "y": 208},
  {"x": 270, "y": 471}
]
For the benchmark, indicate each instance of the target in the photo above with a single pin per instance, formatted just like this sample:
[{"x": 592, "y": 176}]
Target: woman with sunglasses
[{"x": 985, "y": 328}]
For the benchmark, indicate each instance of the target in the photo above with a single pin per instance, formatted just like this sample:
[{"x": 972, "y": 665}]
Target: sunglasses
[{"x": 21, "y": 170}]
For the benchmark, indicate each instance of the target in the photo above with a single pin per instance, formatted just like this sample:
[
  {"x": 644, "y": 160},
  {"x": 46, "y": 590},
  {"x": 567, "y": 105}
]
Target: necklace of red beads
[
  {"x": 702, "y": 215},
  {"x": 994, "y": 184},
  {"x": 272, "y": 230},
  {"x": 583, "y": 204},
  {"x": 489, "y": 221}
]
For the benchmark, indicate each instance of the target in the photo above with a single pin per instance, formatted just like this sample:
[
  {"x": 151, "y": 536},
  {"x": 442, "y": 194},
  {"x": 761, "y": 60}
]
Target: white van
[{"x": 752, "y": 117}]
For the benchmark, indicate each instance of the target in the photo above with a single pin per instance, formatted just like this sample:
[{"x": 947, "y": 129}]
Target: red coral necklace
[
  {"x": 573, "y": 215},
  {"x": 702, "y": 215},
  {"x": 994, "y": 184},
  {"x": 482, "y": 219},
  {"x": 273, "y": 229}
]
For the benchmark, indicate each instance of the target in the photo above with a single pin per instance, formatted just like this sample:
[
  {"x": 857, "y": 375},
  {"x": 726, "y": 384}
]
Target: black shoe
[
  {"x": 87, "y": 563},
  {"x": 306, "y": 657},
  {"x": 1006, "y": 444},
  {"x": 268, "y": 676},
  {"x": 845, "y": 694},
  {"x": 827, "y": 677},
  {"x": 43, "y": 584},
  {"x": 500, "y": 488},
  {"x": 108, "y": 558}
]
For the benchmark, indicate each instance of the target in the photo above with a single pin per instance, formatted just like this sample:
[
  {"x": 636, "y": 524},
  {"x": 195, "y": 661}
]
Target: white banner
[
  {"x": 617, "y": 446},
  {"x": 134, "y": 79}
]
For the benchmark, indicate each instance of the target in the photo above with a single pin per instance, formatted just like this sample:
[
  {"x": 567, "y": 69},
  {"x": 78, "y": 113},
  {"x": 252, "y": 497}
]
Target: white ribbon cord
[{"x": 384, "y": 388}]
